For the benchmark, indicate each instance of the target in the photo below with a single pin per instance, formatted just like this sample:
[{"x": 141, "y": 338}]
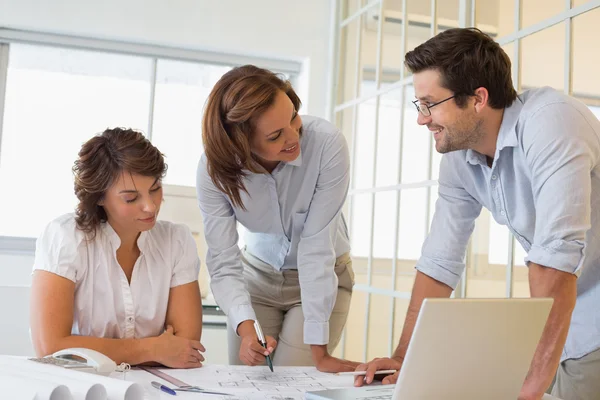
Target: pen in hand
[{"x": 263, "y": 342}]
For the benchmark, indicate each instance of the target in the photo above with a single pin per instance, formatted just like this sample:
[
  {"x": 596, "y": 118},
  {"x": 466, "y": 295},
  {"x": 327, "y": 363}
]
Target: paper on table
[
  {"x": 249, "y": 383},
  {"x": 82, "y": 385}
]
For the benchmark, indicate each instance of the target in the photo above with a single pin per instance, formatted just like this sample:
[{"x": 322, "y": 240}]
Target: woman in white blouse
[{"x": 110, "y": 277}]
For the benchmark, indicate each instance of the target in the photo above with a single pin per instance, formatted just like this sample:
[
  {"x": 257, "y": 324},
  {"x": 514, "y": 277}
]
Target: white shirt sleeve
[
  {"x": 186, "y": 266},
  {"x": 58, "y": 248}
]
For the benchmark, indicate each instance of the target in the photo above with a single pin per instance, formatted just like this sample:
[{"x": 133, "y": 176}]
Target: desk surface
[{"x": 245, "y": 383}]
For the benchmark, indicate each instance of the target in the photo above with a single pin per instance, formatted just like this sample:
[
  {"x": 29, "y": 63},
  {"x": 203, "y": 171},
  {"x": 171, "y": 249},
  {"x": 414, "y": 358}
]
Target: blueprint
[{"x": 253, "y": 383}]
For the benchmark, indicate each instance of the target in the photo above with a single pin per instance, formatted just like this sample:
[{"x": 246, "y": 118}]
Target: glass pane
[
  {"x": 586, "y": 30},
  {"x": 447, "y": 14},
  {"x": 486, "y": 272},
  {"x": 536, "y": 71},
  {"x": 364, "y": 150},
  {"x": 347, "y": 77},
  {"x": 181, "y": 91},
  {"x": 349, "y": 7},
  {"x": 384, "y": 230},
  {"x": 360, "y": 224},
  {"x": 368, "y": 51},
  {"x": 355, "y": 325},
  {"x": 72, "y": 95},
  {"x": 344, "y": 120},
  {"x": 534, "y": 11},
  {"x": 391, "y": 44},
  {"x": 388, "y": 142},
  {"x": 577, "y": 3},
  {"x": 509, "y": 49},
  {"x": 380, "y": 310},
  {"x": 489, "y": 13},
  {"x": 400, "y": 310},
  {"x": 413, "y": 223},
  {"x": 416, "y": 144}
]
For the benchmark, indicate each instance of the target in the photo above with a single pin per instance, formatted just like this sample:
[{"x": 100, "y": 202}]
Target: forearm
[
  {"x": 131, "y": 351},
  {"x": 560, "y": 286},
  {"x": 423, "y": 287}
]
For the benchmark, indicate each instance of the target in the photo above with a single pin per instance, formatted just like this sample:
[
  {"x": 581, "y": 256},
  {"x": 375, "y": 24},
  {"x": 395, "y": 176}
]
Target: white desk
[{"x": 144, "y": 378}]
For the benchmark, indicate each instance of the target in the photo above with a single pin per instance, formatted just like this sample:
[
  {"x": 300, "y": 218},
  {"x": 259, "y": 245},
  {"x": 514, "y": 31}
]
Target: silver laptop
[{"x": 462, "y": 349}]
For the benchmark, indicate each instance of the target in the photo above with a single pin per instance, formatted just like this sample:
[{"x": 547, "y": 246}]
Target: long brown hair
[
  {"x": 101, "y": 160},
  {"x": 238, "y": 98},
  {"x": 466, "y": 59}
]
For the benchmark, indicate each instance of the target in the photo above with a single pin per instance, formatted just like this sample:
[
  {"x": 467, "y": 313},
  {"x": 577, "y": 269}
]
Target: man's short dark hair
[{"x": 466, "y": 59}]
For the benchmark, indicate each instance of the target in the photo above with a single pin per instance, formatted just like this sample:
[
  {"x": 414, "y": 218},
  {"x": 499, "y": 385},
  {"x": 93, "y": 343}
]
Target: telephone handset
[{"x": 80, "y": 359}]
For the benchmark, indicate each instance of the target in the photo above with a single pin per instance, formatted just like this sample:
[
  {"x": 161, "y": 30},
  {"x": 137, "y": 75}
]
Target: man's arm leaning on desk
[
  {"x": 424, "y": 287},
  {"x": 442, "y": 260},
  {"x": 561, "y": 286}
]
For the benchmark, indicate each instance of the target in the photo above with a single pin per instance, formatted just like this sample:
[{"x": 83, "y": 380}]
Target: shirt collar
[
  {"x": 298, "y": 161},
  {"x": 507, "y": 135},
  {"x": 115, "y": 240}
]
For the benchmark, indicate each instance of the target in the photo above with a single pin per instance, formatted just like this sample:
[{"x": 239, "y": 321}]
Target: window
[
  {"x": 58, "y": 97},
  {"x": 181, "y": 91},
  {"x": 415, "y": 159},
  {"x": 55, "y": 100}
]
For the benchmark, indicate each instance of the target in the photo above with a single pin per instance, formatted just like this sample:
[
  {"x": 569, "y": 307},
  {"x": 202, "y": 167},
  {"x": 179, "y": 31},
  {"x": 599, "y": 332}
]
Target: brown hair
[
  {"x": 101, "y": 160},
  {"x": 238, "y": 98},
  {"x": 466, "y": 59}
]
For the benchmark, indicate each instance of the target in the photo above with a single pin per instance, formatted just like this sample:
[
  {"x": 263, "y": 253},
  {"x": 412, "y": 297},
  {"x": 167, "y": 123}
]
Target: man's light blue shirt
[
  {"x": 544, "y": 186},
  {"x": 293, "y": 220}
]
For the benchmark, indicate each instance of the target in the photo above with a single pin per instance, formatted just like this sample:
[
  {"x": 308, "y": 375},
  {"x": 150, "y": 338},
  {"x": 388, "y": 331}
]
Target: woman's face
[
  {"x": 276, "y": 136},
  {"x": 132, "y": 202}
]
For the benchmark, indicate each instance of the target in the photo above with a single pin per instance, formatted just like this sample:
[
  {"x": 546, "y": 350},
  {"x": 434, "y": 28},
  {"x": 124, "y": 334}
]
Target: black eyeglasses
[{"x": 426, "y": 109}]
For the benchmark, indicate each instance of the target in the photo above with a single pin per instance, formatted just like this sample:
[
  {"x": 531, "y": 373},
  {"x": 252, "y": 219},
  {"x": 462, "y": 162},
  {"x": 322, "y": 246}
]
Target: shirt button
[
  {"x": 130, "y": 319},
  {"x": 494, "y": 177},
  {"x": 502, "y": 213}
]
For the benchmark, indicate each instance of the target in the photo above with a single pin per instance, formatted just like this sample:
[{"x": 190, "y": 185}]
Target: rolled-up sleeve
[
  {"x": 316, "y": 249},
  {"x": 443, "y": 252},
  {"x": 223, "y": 258},
  {"x": 561, "y": 150}
]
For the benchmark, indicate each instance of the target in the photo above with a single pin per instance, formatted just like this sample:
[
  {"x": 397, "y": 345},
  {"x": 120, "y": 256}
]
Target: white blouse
[{"x": 106, "y": 304}]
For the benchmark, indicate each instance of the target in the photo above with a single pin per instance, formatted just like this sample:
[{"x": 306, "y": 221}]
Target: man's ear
[{"x": 481, "y": 96}]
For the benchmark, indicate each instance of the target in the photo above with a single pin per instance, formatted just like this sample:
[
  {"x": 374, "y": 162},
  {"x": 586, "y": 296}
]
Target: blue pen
[{"x": 164, "y": 388}]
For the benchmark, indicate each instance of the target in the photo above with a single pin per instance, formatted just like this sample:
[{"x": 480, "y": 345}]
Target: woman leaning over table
[{"x": 284, "y": 178}]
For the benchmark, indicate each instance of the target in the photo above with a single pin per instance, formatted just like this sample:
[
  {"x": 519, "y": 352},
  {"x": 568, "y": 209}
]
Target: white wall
[{"x": 296, "y": 30}]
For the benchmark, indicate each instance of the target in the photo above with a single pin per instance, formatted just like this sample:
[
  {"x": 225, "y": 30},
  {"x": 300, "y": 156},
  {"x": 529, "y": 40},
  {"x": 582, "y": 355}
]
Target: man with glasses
[{"x": 533, "y": 160}]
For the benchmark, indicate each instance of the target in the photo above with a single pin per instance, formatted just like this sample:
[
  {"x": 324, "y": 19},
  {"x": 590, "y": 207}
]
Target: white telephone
[{"x": 80, "y": 359}]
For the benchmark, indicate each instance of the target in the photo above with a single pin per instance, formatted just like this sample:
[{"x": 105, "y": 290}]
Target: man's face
[{"x": 453, "y": 128}]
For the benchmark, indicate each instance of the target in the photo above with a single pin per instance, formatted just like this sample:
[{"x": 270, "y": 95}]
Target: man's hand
[
  {"x": 326, "y": 363},
  {"x": 376, "y": 365}
]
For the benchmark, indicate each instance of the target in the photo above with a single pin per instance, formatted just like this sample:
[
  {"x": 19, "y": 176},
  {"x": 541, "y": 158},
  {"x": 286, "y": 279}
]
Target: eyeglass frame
[{"x": 428, "y": 107}]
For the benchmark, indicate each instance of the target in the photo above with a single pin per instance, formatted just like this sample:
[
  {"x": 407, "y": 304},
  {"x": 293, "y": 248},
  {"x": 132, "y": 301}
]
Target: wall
[{"x": 282, "y": 29}]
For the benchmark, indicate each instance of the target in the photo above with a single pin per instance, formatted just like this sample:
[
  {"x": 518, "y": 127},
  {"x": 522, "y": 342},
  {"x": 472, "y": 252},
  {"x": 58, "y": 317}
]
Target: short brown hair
[
  {"x": 101, "y": 160},
  {"x": 238, "y": 98},
  {"x": 466, "y": 59}
]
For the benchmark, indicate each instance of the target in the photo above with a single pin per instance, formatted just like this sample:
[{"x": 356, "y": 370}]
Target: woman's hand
[
  {"x": 252, "y": 352},
  {"x": 177, "y": 352}
]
